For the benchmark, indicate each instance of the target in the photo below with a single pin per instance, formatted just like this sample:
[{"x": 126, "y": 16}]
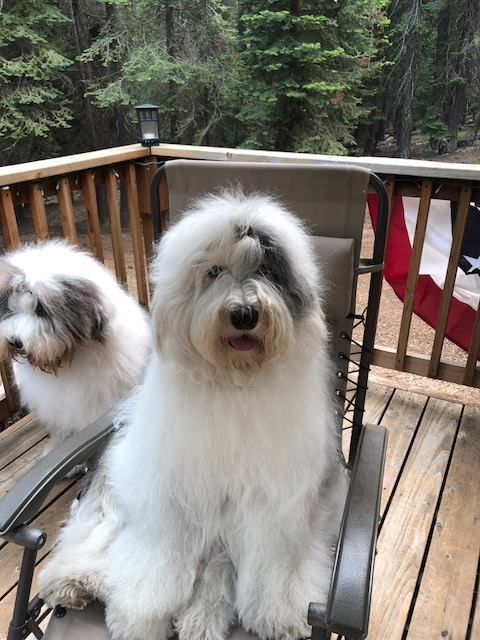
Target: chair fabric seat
[{"x": 89, "y": 624}]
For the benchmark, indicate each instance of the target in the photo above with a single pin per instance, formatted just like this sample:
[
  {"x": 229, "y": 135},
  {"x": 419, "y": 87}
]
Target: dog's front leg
[
  {"x": 280, "y": 571},
  {"x": 150, "y": 579},
  {"x": 210, "y": 613}
]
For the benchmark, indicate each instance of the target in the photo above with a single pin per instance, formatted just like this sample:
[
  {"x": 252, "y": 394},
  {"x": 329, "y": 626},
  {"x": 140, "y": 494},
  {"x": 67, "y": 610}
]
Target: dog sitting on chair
[
  {"x": 78, "y": 341},
  {"x": 220, "y": 499}
]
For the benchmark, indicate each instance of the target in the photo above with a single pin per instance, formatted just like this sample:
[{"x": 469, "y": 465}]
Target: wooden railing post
[
  {"x": 144, "y": 178},
  {"x": 473, "y": 352},
  {"x": 91, "y": 210},
  {"x": 113, "y": 208},
  {"x": 39, "y": 215},
  {"x": 441, "y": 325},
  {"x": 134, "y": 219},
  {"x": 420, "y": 229},
  {"x": 11, "y": 237},
  {"x": 67, "y": 212}
]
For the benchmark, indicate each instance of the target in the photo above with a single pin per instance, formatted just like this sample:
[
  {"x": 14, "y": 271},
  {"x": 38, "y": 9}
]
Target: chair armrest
[
  {"x": 348, "y": 605},
  {"x": 25, "y": 498}
]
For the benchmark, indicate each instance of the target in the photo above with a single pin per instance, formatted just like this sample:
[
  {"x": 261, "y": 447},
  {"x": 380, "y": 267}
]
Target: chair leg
[
  {"x": 19, "y": 626},
  {"x": 23, "y": 620},
  {"x": 320, "y": 634}
]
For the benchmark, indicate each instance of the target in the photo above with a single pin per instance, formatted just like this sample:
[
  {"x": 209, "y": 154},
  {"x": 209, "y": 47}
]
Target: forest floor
[{"x": 468, "y": 151}]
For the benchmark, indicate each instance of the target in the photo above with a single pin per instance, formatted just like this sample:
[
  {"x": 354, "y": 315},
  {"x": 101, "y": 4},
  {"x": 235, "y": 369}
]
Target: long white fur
[
  {"x": 220, "y": 499},
  {"x": 101, "y": 373}
]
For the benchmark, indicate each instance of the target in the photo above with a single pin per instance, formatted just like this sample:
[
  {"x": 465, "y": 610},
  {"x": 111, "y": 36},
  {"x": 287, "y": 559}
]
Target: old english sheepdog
[
  {"x": 219, "y": 501},
  {"x": 79, "y": 342}
]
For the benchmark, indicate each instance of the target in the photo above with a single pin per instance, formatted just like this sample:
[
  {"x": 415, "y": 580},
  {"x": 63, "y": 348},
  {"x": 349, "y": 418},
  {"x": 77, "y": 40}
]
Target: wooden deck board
[
  {"x": 415, "y": 582},
  {"x": 451, "y": 565},
  {"x": 401, "y": 420},
  {"x": 15, "y": 441},
  {"x": 20, "y": 466},
  {"x": 405, "y": 532}
]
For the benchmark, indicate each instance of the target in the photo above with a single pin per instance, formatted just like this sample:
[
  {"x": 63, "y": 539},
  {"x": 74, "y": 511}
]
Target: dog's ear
[
  {"x": 8, "y": 273},
  {"x": 82, "y": 308}
]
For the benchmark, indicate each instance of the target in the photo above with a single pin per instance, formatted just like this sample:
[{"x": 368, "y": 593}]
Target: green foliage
[
  {"x": 307, "y": 63},
  {"x": 32, "y": 101},
  {"x": 435, "y": 130},
  {"x": 303, "y": 75},
  {"x": 187, "y": 65},
  {"x": 432, "y": 79}
]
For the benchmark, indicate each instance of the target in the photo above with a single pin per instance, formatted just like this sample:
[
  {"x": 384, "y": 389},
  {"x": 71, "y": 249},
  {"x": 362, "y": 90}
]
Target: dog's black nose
[
  {"x": 16, "y": 343},
  {"x": 244, "y": 317}
]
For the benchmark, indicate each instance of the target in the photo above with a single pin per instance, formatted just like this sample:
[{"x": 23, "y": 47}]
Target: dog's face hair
[
  {"x": 277, "y": 269},
  {"x": 45, "y": 322},
  {"x": 235, "y": 282}
]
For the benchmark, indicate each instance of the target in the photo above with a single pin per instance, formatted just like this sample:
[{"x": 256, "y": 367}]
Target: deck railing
[{"x": 101, "y": 200}]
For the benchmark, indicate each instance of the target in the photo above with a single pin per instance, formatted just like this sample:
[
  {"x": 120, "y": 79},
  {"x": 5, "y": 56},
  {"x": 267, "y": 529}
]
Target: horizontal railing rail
[{"x": 101, "y": 200}]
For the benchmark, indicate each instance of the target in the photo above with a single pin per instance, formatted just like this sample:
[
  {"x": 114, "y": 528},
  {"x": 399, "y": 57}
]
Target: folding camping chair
[{"x": 331, "y": 200}]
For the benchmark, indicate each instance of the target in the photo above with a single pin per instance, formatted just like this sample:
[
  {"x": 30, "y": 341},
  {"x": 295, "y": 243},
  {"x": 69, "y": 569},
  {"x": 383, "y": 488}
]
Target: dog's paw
[
  {"x": 67, "y": 592},
  {"x": 128, "y": 623},
  {"x": 204, "y": 623},
  {"x": 279, "y": 629},
  {"x": 283, "y": 622}
]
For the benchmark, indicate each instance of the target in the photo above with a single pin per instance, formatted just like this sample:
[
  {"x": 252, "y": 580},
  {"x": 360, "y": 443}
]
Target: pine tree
[
  {"x": 307, "y": 64},
  {"x": 32, "y": 99},
  {"x": 461, "y": 57},
  {"x": 177, "y": 55}
]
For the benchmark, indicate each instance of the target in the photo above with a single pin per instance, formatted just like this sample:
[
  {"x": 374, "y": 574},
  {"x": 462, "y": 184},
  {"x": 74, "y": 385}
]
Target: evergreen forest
[{"x": 321, "y": 76}]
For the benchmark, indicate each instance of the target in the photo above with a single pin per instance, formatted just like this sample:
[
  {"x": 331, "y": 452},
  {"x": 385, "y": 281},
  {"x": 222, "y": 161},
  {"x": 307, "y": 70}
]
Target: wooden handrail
[
  {"x": 33, "y": 171},
  {"x": 385, "y": 166}
]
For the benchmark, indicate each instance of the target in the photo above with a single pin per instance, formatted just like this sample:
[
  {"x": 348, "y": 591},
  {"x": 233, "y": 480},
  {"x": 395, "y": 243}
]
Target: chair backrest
[{"x": 330, "y": 199}]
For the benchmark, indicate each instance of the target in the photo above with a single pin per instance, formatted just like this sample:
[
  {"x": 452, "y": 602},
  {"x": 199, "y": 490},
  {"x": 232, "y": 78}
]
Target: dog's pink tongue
[
  {"x": 243, "y": 343},
  {"x": 32, "y": 361}
]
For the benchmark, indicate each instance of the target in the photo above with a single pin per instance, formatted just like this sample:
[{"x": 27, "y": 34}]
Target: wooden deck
[{"x": 426, "y": 579}]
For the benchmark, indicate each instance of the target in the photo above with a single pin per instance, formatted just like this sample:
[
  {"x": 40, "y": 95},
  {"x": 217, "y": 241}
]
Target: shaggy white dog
[
  {"x": 79, "y": 342},
  {"x": 221, "y": 497}
]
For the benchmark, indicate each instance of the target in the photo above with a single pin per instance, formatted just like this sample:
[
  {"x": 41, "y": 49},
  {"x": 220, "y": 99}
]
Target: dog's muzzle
[{"x": 244, "y": 318}]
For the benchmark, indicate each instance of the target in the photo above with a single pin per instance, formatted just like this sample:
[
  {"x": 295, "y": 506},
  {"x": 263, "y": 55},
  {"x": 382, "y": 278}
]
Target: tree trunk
[
  {"x": 170, "y": 42},
  {"x": 81, "y": 43},
  {"x": 403, "y": 120},
  {"x": 460, "y": 35},
  {"x": 288, "y": 108}
]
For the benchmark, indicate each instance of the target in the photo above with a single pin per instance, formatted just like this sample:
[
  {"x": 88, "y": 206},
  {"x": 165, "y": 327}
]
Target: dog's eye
[
  {"x": 214, "y": 272},
  {"x": 40, "y": 310}
]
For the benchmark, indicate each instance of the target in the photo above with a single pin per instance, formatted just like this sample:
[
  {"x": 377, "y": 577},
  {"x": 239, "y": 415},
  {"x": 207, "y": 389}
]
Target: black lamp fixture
[{"x": 147, "y": 118}]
